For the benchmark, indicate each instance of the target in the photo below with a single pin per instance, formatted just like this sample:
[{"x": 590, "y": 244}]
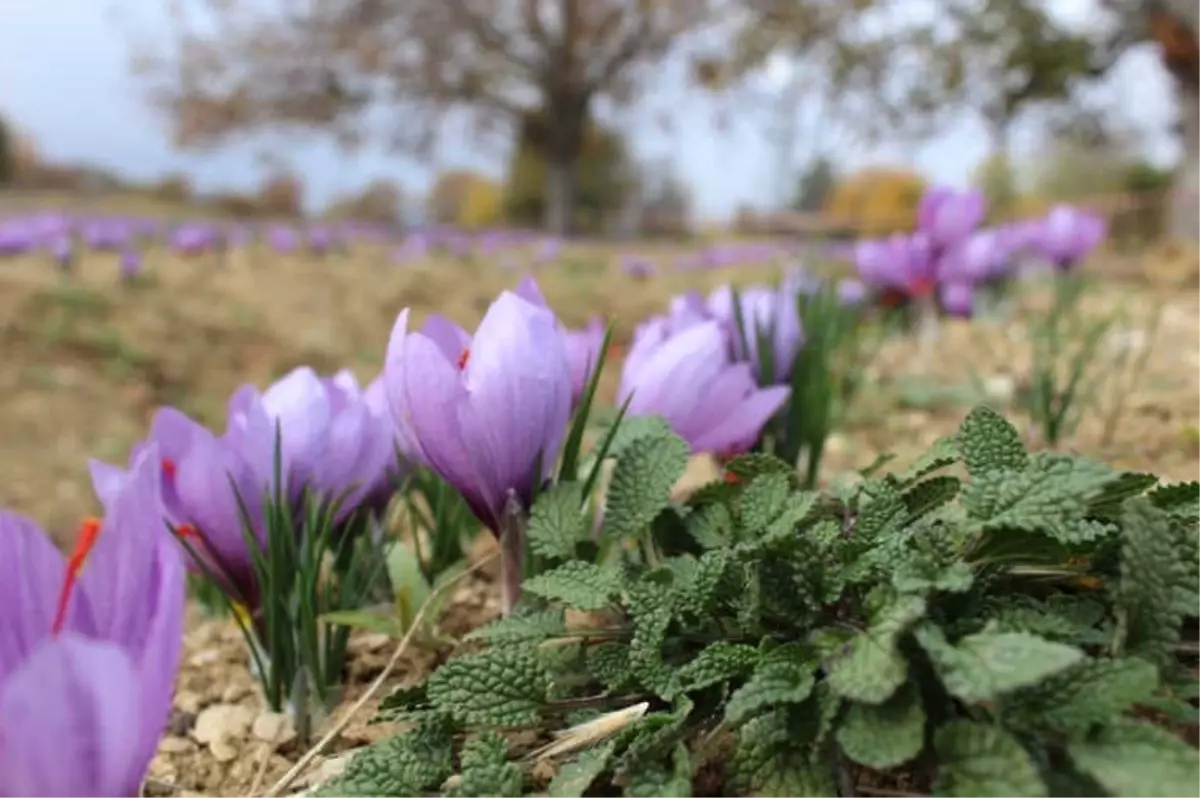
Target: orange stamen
[
  {"x": 463, "y": 358},
  {"x": 89, "y": 533}
]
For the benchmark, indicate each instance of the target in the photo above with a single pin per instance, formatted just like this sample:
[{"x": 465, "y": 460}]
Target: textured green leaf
[
  {"x": 709, "y": 582},
  {"x": 503, "y": 686},
  {"x": 980, "y": 760},
  {"x": 652, "y": 606},
  {"x": 486, "y": 769},
  {"x": 872, "y": 667},
  {"x": 1134, "y": 758},
  {"x": 748, "y": 466},
  {"x": 652, "y": 737},
  {"x": 921, "y": 576},
  {"x": 1072, "y": 702},
  {"x": 1181, "y": 499},
  {"x": 414, "y": 762},
  {"x": 526, "y": 627},
  {"x": 711, "y": 525},
  {"x": 762, "y": 501},
  {"x": 984, "y": 666},
  {"x": 1155, "y": 591},
  {"x": 641, "y": 484},
  {"x": 635, "y": 428},
  {"x": 884, "y": 735},
  {"x": 796, "y": 508},
  {"x": 1051, "y": 498},
  {"x": 717, "y": 663},
  {"x": 577, "y": 584},
  {"x": 608, "y": 663},
  {"x": 659, "y": 780},
  {"x": 575, "y": 776},
  {"x": 778, "y": 681},
  {"x": 944, "y": 452},
  {"x": 883, "y": 516},
  {"x": 988, "y": 442},
  {"x": 403, "y": 703},
  {"x": 770, "y": 761},
  {"x": 556, "y": 524},
  {"x": 930, "y": 494}
]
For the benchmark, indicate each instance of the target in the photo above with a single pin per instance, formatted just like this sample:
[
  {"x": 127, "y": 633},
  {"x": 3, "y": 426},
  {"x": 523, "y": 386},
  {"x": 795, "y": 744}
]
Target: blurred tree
[
  {"x": 997, "y": 179},
  {"x": 482, "y": 204},
  {"x": 448, "y": 195},
  {"x": 380, "y": 201},
  {"x": 602, "y": 175},
  {"x": 173, "y": 188},
  {"x": 282, "y": 194},
  {"x": 876, "y": 201},
  {"x": 8, "y": 166},
  {"x": 665, "y": 202},
  {"x": 814, "y": 185},
  {"x": 490, "y": 61}
]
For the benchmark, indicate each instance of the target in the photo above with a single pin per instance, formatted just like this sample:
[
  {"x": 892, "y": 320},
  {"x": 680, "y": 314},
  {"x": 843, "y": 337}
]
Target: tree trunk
[
  {"x": 560, "y": 196},
  {"x": 566, "y": 117},
  {"x": 1183, "y": 216}
]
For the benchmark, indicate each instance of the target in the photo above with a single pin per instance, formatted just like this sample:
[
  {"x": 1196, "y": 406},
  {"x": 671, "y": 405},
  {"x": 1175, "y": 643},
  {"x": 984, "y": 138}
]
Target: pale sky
[{"x": 64, "y": 78}]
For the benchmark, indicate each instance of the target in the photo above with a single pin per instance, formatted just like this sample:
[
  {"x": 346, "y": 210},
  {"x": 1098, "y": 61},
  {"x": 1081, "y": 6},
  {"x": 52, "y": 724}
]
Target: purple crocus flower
[
  {"x": 637, "y": 267},
  {"x": 90, "y": 647},
  {"x": 62, "y": 250},
  {"x": 900, "y": 263},
  {"x": 689, "y": 380},
  {"x": 1067, "y": 235},
  {"x": 957, "y": 298},
  {"x": 486, "y": 410},
  {"x": 980, "y": 257},
  {"x": 771, "y": 312},
  {"x": 130, "y": 264},
  {"x": 947, "y": 216},
  {"x": 483, "y": 409},
  {"x": 583, "y": 354}
]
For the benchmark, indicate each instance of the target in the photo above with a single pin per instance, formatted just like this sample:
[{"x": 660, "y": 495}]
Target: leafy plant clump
[{"x": 987, "y": 622}]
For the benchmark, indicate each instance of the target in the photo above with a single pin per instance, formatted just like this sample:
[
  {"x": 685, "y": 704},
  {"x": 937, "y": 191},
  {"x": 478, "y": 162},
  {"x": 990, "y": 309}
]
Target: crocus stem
[{"x": 512, "y": 554}]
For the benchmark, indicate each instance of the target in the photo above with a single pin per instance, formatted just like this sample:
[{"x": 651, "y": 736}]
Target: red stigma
[
  {"x": 922, "y": 287},
  {"x": 168, "y": 467},
  {"x": 731, "y": 478},
  {"x": 89, "y": 533},
  {"x": 463, "y": 358},
  {"x": 184, "y": 531}
]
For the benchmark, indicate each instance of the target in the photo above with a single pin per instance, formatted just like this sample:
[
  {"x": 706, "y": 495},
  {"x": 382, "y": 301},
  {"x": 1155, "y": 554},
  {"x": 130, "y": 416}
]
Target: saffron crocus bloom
[
  {"x": 770, "y": 312},
  {"x": 899, "y": 263},
  {"x": 947, "y": 216},
  {"x": 89, "y": 647},
  {"x": 583, "y": 354},
  {"x": 958, "y": 299},
  {"x": 980, "y": 257},
  {"x": 484, "y": 409},
  {"x": 711, "y": 402},
  {"x": 1067, "y": 235}
]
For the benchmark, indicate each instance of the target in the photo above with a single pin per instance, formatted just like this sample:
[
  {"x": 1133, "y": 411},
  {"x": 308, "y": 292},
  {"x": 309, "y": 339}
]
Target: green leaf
[
  {"x": 980, "y": 760},
  {"x": 944, "y": 452},
  {"x": 778, "y": 681},
  {"x": 522, "y": 627},
  {"x": 769, "y": 761},
  {"x": 652, "y": 607},
  {"x": 1155, "y": 591},
  {"x": 1134, "y": 758},
  {"x": 608, "y": 663},
  {"x": 748, "y": 466},
  {"x": 717, "y": 663},
  {"x": 641, "y": 483},
  {"x": 410, "y": 763},
  {"x": 372, "y": 620},
  {"x": 984, "y": 666},
  {"x": 989, "y": 443},
  {"x": 486, "y": 769},
  {"x": 409, "y": 585},
  {"x": 762, "y": 501},
  {"x": 635, "y": 428},
  {"x": 503, "y": 686},
  {"x": 1050, "y": 498},
  {"x": 872, "y": 667},
  {"x": 1181, "y": 499},
  {"x": 403, "y": 703},
  {"x": 575, "y": 776},
  {"x": 884, "y": 735},
  {"x": 1091, "y": 693},
  {"x": 711, "y": 525},
  {"x": 556, "y": 524},
  {"x": 922, "y": 576},
  {"x": 930, "y": 494},
  {"x": 656, "y": 780},
  {"x": 577, "y": 584}
]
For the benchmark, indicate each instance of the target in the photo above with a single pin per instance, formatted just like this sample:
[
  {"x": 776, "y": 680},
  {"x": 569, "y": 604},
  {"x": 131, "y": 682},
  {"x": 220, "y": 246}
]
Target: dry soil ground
[{"x": 84, "y": 361}]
